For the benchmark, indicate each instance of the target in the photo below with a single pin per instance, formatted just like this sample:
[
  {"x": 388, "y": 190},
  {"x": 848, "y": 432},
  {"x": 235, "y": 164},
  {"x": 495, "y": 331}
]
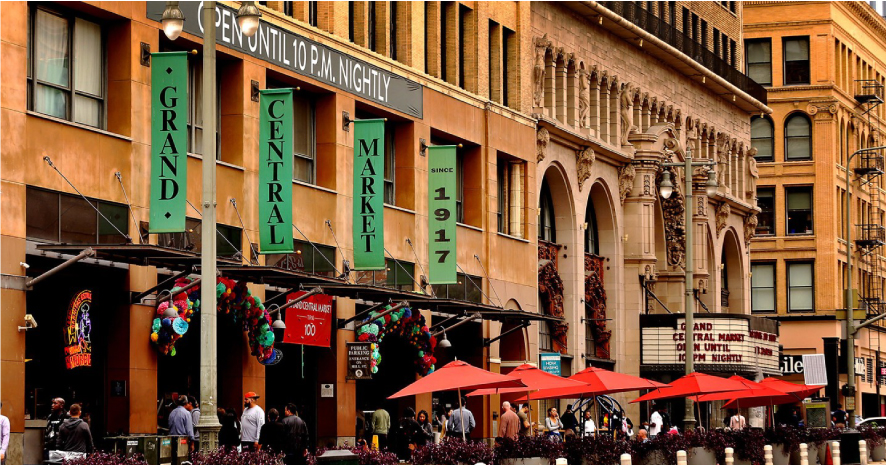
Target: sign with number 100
[{"x": 441, "y": 214}]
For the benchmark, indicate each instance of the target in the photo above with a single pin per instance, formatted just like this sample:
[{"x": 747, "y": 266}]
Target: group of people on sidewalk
[{"x": 65, "y": 432}]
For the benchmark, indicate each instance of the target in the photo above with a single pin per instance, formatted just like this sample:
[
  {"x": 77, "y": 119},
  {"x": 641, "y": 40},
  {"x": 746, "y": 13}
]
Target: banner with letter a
[
  {"x": 441, "y": 214},
  {"x": 369, "y": 167},
  {"x": 275, "y": 171},
  {"x": 169, "y": 137}
]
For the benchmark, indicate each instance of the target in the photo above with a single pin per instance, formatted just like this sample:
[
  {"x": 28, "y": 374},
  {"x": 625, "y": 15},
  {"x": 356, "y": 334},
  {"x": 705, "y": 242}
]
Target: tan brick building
[{"x": 819, "y": 61}]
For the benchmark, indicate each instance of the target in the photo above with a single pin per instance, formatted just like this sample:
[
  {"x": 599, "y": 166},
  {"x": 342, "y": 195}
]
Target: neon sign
[{"x": 78, "y": 345}]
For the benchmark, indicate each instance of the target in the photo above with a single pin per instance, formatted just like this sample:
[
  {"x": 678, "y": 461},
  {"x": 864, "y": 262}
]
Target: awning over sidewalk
[{"x": 136, "y": 254}]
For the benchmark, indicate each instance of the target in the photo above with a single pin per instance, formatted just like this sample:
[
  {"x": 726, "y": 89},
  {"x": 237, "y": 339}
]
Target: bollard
[
  {"x": 863, "y": 451},
  {"x": 835, "y": 452},
  {"x": 729, "y": 456},
  {"x": 804, "y": 454},
  {"x": 625, "y": 459},
  {"x": 561, "y": 461},
  {"x": 681, "y": 457},
  {"x": 767, "y": 454}
]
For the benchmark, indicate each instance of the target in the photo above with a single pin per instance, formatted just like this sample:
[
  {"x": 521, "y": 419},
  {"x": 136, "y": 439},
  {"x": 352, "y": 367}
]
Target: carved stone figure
[
  {"x": 753, "y": 172},
  {"x": 627, "y": 116},
  {"x": 750, "y": 228},
  {"x": 722, "y": 159},
  {"x": 595, "y": 299},
  {"x": 584, "y": 160},
  {"x": 550, "y": 288},
  {"x": 584, "y": 100},
  {"x": 626, "y": 176},
  {"x": 723, "y": 211},
  {"x": 673, "y": 209},
  {"x": 541, "y": 47},
  {"x": 541, "y": 143}
]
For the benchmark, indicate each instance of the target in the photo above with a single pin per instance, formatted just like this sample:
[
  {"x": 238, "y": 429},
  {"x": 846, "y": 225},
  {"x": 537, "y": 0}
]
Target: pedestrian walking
[
  {"x": 273, "y": 433},
  {"x": 407, "y": 432},
  {"x": 229, "y": 434},
  {"x": 180, "y": 421},
  {"x": 251, "y": 422},
  {"x": 4, "y": 436},
  {"x": 295, "y": 445},
  {"x": 554, "y": 425},
  {"x": 509, "y": 423},
  {"x": 50, "y": 436},
  {"x": 461, "y": 420},
  {"x": 195, "y": 418},
  {"x": 655, "y": 422},
  {"x": 838, "y": 416},
  {"x": 525, "y": 426},
  {"x": 381, "y": 425},
  {"x": 427, "y": 431},
  {"x": 74, "y": 434}
]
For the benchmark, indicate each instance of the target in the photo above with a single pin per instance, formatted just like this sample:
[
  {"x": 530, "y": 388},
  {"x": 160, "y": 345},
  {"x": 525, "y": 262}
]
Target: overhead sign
[
  {"x": 792, "y": 365},
  {"x": 550, "y": 362},
  {"x": 275, "y": 171},
  {"x": 78, "y": 330},
  {"x": 169, "y": 138},
  {"x": 369, "y": 167},
  {"x": 359, "y": 357},
  {"x": 291, "y": 51},
  {"x": 441, "y": 214},
  {"x": 309, "y": 322},
  {"x": 815, "y": 371}
]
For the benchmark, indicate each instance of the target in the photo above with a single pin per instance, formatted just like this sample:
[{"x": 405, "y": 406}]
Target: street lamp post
[
  {"x": 666, "y": 189},
  {"x": 173, "y": 22}
]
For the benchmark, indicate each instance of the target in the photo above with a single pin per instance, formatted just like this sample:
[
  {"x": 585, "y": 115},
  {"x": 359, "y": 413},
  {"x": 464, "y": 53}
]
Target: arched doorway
[
  {"x": 600, "y": 246},
  {"x": 731, "y": 275},
  {"x": 512, "y": 347}
]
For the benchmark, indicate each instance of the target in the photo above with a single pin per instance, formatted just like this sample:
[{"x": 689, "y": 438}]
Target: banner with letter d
[
  {"x": 369, "y": 167},
  {"x": 169, "y": 138},
  {"x": 275, "y": 171}
]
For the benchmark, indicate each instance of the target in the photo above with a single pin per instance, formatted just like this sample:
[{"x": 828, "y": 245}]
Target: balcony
[
  {"x": 870, "y": 163},
  {"x": 870, "y": 236},
  {"x": 672, "y": 36},
  {"x": 868, "y": 91}
]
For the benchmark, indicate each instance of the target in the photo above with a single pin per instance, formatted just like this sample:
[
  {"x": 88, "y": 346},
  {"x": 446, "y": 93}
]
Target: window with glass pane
[
  {"x": 56, "y": 217},
  {"x": 799, "y": 211},
  {"x": 460, "y": 187},
  {"x": 800, "y": 287},
  {"x": 759, "y": 60},
  {"x": 304, "y": 147},
  {"x": 592, "y": 239},
  {"x": 761, "y": 138},
  {"x": 66, "y": 74},
  {"x": 117, "y": 222},
  {"x": 195, "y": 109},
  {"x": 316, "y": 259},
  {"x": 798, "y": 138},
  {"x": 502, "y": 196},
  {"x": 41, "y": 215},
  {"x": 187, "y": 240},
  {"x": 766, "y": 217},
  {"x": 545, "y": 340},
  {"x": 763, "y": 287},
  {"x": 468, "y": 289},
  {"x": 390, "y": 167},
  {"x": 399, "y": 274},
  {"x": 796, "y": 60},
  {"x": 546, "y": 230},
  {"x": 229, "y": 241},
  {"x": 78, "y": 221}
]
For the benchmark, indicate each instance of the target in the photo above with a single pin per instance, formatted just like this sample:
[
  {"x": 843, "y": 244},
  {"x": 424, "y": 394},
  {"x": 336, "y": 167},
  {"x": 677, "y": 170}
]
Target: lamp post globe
[
  {"x": 173, "y": 20},
  {"x": 247, "y": 18},
  {"x": 711, "y": 185},
  {"x": 666, "y": 188}
]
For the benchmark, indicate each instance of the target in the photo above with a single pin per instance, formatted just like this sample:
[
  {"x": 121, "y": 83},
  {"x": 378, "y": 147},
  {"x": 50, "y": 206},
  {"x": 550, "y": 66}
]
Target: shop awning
[
  {"x": 277, "y": 276},
  {"x": 370, "y": 293},
  {"x": 136, "y": 254},
  {"x": 488, "y": 312}
]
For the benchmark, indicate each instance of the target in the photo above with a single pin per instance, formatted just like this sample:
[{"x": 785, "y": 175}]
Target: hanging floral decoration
[
  {"x": 406, "y": 324},
  {"x": 171, "y": 320},
  {"x": 234, "y": 299}
]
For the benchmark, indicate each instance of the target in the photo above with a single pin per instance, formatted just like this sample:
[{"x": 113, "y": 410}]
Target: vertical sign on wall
[
  {"x": 169, "y": 137},
  {"x": 441, "y": 214},
  {"x": 78, "y": 330},
  {"x": 275, "y": 171},
  {"x": 369, "y": 166}
]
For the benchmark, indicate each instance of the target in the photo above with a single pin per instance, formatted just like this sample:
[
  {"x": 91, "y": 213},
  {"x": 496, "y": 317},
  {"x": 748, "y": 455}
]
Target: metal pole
[
  {"x": 208, "y": 426},
  {"x": 689, "y": 300}
]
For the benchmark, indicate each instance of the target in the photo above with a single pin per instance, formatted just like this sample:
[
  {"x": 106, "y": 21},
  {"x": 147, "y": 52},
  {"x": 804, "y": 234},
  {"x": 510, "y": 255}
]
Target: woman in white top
[
  {"x": 554, "y": 425},
  {"x": 589, "y": 428}
]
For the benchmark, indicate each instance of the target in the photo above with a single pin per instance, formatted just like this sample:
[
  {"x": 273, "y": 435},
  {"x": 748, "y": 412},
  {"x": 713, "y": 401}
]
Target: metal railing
[{"x": 674, "y": 37}]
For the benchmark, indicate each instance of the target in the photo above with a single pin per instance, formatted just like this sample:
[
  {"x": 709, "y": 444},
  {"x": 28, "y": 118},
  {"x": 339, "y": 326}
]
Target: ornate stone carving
[
  {"x": 702, "y": 205},
  {"x": 595, "y": 301},
  {"x": 722, "y": 158},
  {"x": 541, "y": 143},
  {"x": 702, "y": 286},
  {"x": 550, "y": 288},
  {"x": 723, "y": 211},
  {"x": 673, "y": 210},
  {"x": 541, "y": 47},
  {"x": 625, "y": 181},
  {"x": 627, "y": 116},
  {"x": 750, "y": 228},
  {"x": 584, "y": 99},
  {"x": 650, "y": 273},
  {"x": 753, "y": 173},
  {"x": 584, "y": 160}
]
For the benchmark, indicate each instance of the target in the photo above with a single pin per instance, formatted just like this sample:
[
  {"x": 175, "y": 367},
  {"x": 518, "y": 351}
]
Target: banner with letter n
[
  {"x": 169, "y": 137},
  {"x": 275, "y": 171},
  {"x": 441, "y": 214},
  {"x": 369, "y": 167}
]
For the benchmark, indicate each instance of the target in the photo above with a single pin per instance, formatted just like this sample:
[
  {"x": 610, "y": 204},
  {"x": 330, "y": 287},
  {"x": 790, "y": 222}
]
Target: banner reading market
[
  {"x": 441, "y": 214},
  {"x": 369, "y": 166},
  {"x": 169, "y": 136},
  {"x": 275, "y": 171}
]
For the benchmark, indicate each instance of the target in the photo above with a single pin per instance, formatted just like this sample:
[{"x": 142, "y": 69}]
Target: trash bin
[
  {"x": 180, "y": 450},
  {"x": 849, "y": 452},
  {"x": 338, "y": 457},
  {"x": 146, "y": 445},
  {"x": 165, "y": 450}
]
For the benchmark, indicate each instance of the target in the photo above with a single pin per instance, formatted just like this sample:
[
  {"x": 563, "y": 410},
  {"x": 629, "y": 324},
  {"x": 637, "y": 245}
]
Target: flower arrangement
[
  {"x": 602, "y": 450},
  {"x": 104, "y": 458},
  {"x": 172, "y": 319},
  {"x": 872, "y": 434},
  {"x": 452, "y": 451},
  {"x": 366, "y": 456},
  {"x": 526, "y": 447},
  {"x": 232, "y": 457},
  {"x": 406, "y": 324}
]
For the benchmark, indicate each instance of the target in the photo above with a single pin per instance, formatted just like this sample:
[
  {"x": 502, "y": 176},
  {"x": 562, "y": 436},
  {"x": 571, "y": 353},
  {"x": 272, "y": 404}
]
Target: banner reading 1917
[
  {"x": 169, "y": 136},
  {"x": 369, "y": 166},
  {"x": 441, "y": 214},
  {"x": 275, "y": 171}
]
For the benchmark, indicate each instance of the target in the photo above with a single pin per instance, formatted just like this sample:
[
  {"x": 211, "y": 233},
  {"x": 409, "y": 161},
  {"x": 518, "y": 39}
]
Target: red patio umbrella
[
  {"x": 455, "y": 376},
  {"x": 752, "y": 389},
  {"x": 784, "y": 392},
  {"x": 693, "y": 385}
]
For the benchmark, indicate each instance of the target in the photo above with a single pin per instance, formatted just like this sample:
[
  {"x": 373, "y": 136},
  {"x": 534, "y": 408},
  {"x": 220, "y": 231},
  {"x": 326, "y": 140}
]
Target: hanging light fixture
[
  {"x": 247, "y": 18},
  {"x": 173, "y": 20},
  {"x": 444, "y": 343},
  {"x": 278, "y": 322},
  {"x": 666, "y": 188},
  {"x": 711, "y": 185}
]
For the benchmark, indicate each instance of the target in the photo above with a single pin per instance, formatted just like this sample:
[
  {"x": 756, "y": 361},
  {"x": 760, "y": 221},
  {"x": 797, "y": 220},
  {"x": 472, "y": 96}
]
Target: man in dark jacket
[
  {"x": 296, "y": 440},
  {"x": 409, "y": 429},
  {"x": 53, "y": 423},
  {"x": 273, "y": 433},
  {"x": 74, "y": 434}
]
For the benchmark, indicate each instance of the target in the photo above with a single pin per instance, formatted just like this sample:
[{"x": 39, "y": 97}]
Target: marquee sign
[
  {"x": 78, "y": 327},
  {"x": 309, "y": 322},
  {"x": 275, "y": 171},
  {"x": 169, "y": 137},
  {"x": 730, "y": 343},
  {"x": 369, "y": 215},
  {"x": 291, "y": 51}
]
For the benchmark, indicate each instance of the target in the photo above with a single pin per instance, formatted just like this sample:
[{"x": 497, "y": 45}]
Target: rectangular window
[
  {"x": 717, "y": 49},
  {"x": 398, "y": 274},
  {"x": 304, "y": 147},
  {"x": 796, "y": 60},
  {"x": 57, "y": 217},
  {"x": 672, "y": 13},
  {"x": 759, "y": 60},
  {"x": 460, "y": 187},
  {"x": 312, "y": 14},
  {"x": 733, "y": 53},
  {"x": 351, "y": 16},
  {"x": 763, "y": 287},
  {"x": 287, "y": 10},
  {"x": 390, "y": 163},
  {"x": 464, "y": 18},
  {"x": 195, "y": 110},
  {"x": 686, "y": 23},
  {"x": 468, "y": 289},
  {"x": 766, "y": 218},
  {"x": 509, "y": 42},
  {"x": 314, "y": 259},
  {"x": 510, "y": 196},
  {"x": 370, "y": 23},
  {"x": 392, "y": 22},
  {"x": 66, "y": 73},
  {"x": 694, "y": 32},
  {"x": 228, "y": 241},
  {"x": 704, "y": 33},
  {"x": 545, "y": 339},
  {"x": 444, "y": 35},
  {"x": 801, "y": 281},
  {"x": 799, "y": 210}
]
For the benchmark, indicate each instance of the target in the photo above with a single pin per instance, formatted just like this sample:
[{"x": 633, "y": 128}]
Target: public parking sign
[
  {"x": 309, "y": 322},
  {"x": 359, "y": 360}
]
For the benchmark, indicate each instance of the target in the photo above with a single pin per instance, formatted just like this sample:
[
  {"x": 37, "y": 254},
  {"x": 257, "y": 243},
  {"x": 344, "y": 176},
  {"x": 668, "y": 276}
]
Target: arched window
[
  {"x": 798, "y": 138},
  {"x": 761, "y": 138},
  {"x": 546, "y": 230},
  {"x": 592, "y": 238}
]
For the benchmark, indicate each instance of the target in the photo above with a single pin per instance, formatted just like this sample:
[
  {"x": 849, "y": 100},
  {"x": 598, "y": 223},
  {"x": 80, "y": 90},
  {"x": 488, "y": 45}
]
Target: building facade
[{"x": 819, "y": 62}]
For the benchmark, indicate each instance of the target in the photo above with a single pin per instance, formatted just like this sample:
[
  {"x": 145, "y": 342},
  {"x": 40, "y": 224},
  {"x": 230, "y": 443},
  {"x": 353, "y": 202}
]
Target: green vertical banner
[
  {"x": 169, "y": 137},
  {"x": 441, "y": 214},
  {"x": 369, "y": 168},
  {"x": 275, "y": 171}
]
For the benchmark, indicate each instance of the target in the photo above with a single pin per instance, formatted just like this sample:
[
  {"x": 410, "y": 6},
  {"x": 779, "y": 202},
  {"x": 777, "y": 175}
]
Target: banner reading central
[
  {"x": 275, "y": 171},
  {"x": 369, "y": 150},
  {"x": 441, "y": 214},
  {"x": 169, "y": 137}
]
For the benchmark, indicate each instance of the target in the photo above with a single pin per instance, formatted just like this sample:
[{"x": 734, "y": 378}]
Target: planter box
[
  {"x": 701, "y": 456},
  {"x": 526, "y": 461},
  {"x": 655, "y": 457},
  {"x": 586, "y": 461},
  {"x": 878, "y": 454},
  {"x": 778, "y": 455}
]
